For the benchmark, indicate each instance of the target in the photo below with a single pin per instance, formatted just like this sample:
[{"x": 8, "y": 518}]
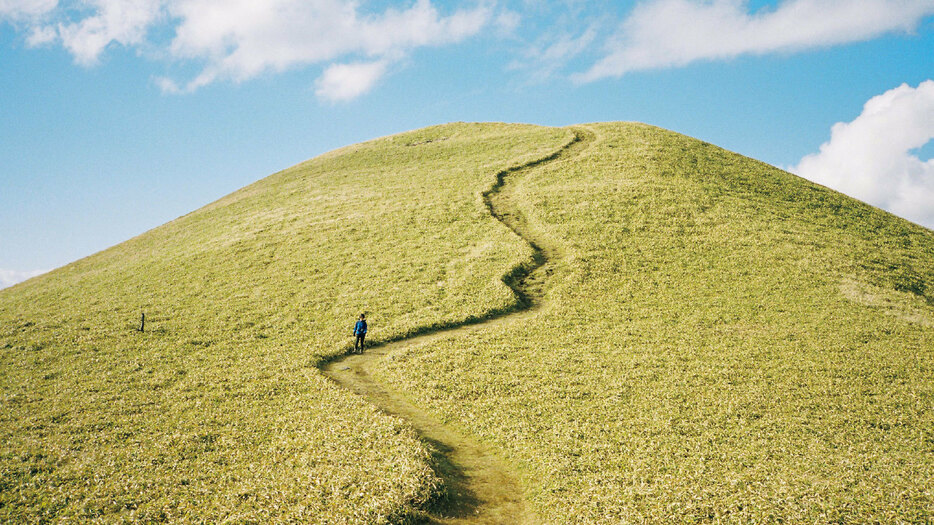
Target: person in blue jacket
[{"x": 359, "y": 330}]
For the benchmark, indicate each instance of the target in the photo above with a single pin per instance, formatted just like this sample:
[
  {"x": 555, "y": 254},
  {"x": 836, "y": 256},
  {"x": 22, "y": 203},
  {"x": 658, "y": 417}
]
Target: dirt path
[{"x": 479, "y": 487}]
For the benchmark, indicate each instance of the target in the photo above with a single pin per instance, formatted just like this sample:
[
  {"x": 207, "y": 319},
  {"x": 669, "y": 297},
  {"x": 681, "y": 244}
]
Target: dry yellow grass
[
  {"x": 218, "y": 412},
  {"x": 721, "y": 341},
  {"x": 697, "y": 360}
]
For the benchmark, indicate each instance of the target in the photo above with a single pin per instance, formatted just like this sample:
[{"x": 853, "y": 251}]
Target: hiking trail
[{"x": 479, "y": 487}]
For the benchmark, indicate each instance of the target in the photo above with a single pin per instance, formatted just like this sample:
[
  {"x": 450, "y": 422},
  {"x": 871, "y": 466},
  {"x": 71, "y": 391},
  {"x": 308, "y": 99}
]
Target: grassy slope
[
  {"x": 723, "y": 341},
  {"x": 217, "y": 411}
]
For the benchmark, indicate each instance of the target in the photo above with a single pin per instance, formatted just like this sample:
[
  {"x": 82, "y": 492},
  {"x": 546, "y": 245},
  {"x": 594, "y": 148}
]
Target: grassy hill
[
  {"x": 218, "y": 410},
  {"x": 719, "y": 340}
]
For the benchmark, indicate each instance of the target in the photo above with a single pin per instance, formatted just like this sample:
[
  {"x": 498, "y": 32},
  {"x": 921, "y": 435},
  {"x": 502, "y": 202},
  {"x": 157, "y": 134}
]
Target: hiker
[{"x": 359, "y": 330}]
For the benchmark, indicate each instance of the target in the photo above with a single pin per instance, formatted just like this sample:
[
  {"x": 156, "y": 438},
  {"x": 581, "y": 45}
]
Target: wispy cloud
[
  {"x": 551, "y": 53},
  {"x": 671, "y": 33},
  {"x": 11, "y": 277},
  {"x": 872, "y": 159},
  {"x": 240, "y": 39}
]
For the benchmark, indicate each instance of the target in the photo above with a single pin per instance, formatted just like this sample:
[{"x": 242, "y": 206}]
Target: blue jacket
[{"x": 360, "y": 328}]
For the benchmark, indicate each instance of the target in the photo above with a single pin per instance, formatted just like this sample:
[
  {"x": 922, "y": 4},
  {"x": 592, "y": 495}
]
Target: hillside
[
  {"x": 712, "y": 339},
  {"x": 218, "y": 410},
  {"x": 721, "y": 341}
]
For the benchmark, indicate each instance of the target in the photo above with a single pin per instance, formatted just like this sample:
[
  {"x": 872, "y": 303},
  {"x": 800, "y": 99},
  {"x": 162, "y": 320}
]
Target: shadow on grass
[{"x": 455, "y": 499}]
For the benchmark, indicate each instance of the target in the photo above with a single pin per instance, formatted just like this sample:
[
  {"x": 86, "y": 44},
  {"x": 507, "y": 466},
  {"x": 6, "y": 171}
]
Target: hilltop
[{"x": 712, "y": 339}]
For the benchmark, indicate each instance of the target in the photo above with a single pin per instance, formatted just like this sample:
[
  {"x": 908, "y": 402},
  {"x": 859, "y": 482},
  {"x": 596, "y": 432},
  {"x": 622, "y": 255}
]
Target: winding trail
[{"x": 478, "y": 486}]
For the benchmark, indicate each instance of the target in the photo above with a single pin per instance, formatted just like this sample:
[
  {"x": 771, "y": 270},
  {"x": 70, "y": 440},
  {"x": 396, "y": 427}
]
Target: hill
[{"x": 715, "y": 339}]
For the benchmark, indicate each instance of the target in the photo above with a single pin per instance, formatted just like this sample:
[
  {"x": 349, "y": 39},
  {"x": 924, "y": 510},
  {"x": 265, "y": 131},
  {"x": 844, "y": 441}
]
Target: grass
[
  {"x": 722, "y": 341},
  {"x": 218, "y": 412}
]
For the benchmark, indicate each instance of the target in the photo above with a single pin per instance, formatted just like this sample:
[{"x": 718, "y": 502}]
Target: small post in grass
[{"x": 142, "y": 321}]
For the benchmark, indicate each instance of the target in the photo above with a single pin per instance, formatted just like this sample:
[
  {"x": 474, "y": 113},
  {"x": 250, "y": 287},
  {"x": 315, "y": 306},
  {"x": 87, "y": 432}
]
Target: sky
[{"x": 117, "y": 116}]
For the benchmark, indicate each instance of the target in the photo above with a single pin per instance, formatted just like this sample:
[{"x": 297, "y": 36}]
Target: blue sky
[{"x": 119, "y": 115}]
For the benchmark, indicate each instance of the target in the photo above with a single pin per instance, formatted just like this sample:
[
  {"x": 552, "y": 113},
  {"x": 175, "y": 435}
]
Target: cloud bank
[
  {"x": 672, "y": 33},
  {"x": 11, "y": 277},
  {"x": 873, "y": 157},
  {"x": 240, "y": 39},
  {"x": 357, "y": 44}
]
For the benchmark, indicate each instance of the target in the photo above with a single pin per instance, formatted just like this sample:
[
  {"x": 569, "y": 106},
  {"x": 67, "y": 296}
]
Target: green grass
[
  {"x": 722, "y": 341},
  {"x": 218, "y": 411}
]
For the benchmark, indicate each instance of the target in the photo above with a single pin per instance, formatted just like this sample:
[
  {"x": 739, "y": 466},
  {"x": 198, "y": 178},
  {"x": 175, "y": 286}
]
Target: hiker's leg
[{"x": 362, "y": 338}]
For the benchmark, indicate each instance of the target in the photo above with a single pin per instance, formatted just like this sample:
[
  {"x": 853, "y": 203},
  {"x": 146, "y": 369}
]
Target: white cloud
[
  {"x": 871, "y": 157},
  {"x": 342, "y": 82},
  {"x": 41, "y": 35},
  {"x": 167, "y": 85},
  {"x": 11, "y": 277},
  {"x": 123, "y": 22},
  {"x": 17, "y": 9},
  {"x": 670, "y": 33},
  {"x": 240, "y": 39},
  {"x": 508, "y": 21}
]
